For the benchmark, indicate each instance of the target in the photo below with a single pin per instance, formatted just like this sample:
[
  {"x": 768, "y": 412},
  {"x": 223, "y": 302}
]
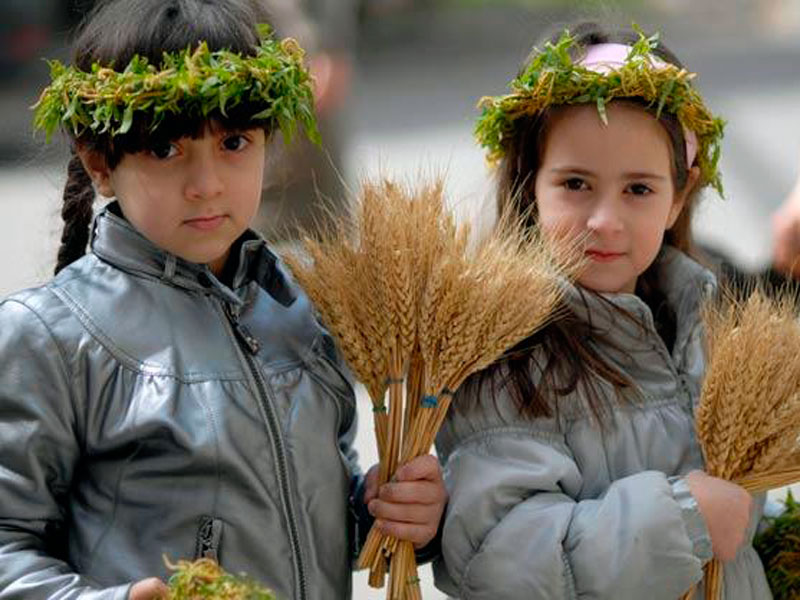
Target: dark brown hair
[
  {"x": 114, "y": 32},
  {"x": 568, "y": 345}
]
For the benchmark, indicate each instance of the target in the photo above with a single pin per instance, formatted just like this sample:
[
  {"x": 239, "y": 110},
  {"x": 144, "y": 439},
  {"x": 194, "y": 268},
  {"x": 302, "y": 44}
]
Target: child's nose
[
  {"x": 205, "y": 180},
  {"x": 605, "y": 216}
]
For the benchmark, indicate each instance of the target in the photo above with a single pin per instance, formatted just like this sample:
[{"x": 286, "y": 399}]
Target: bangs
[{"x": 140, "y": 137}]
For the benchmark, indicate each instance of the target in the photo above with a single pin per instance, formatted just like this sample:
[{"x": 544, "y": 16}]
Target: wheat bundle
[
  {"x": 748, "y": 419},
  {"x": 416, "y": 311}
]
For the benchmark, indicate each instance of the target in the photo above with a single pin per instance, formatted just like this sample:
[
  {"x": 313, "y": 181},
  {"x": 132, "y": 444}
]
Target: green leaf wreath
[
  {"x": 190, "y": 83},
  {"x": 553, "y": 78}
]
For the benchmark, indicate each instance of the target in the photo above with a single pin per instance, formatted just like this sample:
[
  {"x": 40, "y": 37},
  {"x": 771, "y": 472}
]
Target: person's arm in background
[{"x": 786, "y": 232}]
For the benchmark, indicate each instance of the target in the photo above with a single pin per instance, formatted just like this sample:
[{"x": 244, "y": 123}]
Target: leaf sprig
[
  {"x": 205, "y": 579},
  {"x": 552, "y": 78},
  {"x": 779, "y": 549},
  {"x": 192, "y": 83}
]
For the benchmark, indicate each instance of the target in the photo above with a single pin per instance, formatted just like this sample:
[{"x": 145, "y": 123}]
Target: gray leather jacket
[
  {"x": 148, "y": 410},
  {"x": 562, "y": 508}
]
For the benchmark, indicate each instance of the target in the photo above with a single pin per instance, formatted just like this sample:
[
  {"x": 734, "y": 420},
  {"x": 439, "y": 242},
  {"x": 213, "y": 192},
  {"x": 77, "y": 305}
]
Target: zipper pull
[
  {"x": 244, "y": 334},
  {"x": 253, "y": 345}
]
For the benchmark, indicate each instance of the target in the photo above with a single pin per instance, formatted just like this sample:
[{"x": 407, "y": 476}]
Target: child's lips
[
  {"x": 603, "y": 255},
  {"x": 205, "y": 223}
]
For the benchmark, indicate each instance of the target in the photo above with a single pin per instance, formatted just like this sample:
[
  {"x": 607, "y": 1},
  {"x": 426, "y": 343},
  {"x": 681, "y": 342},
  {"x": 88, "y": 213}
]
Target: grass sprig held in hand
[{"x": 204, "y": 579}]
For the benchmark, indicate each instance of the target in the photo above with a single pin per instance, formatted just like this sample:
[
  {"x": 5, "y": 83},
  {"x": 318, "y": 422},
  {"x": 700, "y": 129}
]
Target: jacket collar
[
  {"x": 684, "y": 282},
  {"x": 117, "y": 242}
]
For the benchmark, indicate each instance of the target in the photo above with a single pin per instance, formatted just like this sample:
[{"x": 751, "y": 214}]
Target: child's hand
[
  {"x": 411, "y": 505},
  {"x": 726, "y": 508},
  {"x": 786, "y": 234},
  {"x": 149, "y": 589}
]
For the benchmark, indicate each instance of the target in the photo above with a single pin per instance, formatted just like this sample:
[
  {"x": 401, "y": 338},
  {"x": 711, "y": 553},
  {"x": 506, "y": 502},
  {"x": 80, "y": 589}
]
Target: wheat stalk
[{"x": 748, "y": 420}]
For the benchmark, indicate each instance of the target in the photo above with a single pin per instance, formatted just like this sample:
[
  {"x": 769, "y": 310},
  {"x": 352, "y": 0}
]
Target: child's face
[
  {"x": 192, "y": 198},
  {"x": 612, "y": 184}
]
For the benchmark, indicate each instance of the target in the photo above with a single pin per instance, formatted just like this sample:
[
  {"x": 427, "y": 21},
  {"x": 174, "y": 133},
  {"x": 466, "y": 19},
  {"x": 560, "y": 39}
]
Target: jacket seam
[
  {"x": 129, "y": 361},
  {"x": 347, "y": 399},
  {"x": 569, "y": 575},
  {"x": 110, "y": 524},
  {"x": 648, "y": 403},
  {"x": 63, "y": 362},
  {"x": 212, "y": 418}
]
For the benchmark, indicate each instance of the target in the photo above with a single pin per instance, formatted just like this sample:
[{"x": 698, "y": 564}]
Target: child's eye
[
  {"x": 235, "y": 142},
  {"x": 575, "y": 184},
  {"x": 163, "y": 150},
  {"x": 638, "y": 189}
]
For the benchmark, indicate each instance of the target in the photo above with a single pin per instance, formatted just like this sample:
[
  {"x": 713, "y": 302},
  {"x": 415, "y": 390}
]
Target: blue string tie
[{"x": 430, "y": 402}]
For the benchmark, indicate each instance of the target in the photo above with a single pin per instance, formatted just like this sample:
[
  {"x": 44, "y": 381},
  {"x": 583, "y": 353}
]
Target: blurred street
[{"x": 419, "y": 74}]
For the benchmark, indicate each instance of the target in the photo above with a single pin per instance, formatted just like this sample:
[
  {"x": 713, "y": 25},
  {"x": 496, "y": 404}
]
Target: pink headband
[{"x": 602, "y": 58}]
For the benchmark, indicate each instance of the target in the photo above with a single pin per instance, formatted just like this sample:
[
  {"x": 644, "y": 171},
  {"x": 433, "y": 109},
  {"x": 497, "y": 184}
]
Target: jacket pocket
[{"x": 209, "y": 536}]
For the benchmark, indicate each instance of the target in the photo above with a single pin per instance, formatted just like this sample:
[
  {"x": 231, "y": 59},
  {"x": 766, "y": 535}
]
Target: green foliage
[
  {"x": 193, "y": 83},
  {"x": 553, "y": 79},
  {"x": 204, "y": 579},
  {"x": 779, "y": 549}
]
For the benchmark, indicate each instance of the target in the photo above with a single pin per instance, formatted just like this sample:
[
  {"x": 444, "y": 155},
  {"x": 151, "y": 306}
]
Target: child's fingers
[
  {"x": 404, "y": 513},
  {"x": 419, "y": 535},
  {"x": 149, "y": 589},
  {"x": 412, "y": 492},
  {"x": 423, "y": 467}
]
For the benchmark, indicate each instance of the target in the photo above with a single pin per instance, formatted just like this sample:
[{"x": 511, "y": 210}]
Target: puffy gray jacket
[
  {"x": 563, "y": 508},
  {"x": 148, "y": 410}
]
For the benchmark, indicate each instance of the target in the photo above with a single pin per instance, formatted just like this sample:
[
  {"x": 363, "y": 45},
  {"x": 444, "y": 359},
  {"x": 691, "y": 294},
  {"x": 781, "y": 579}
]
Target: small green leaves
[
  {"x": 191, "y": 83},
  {"x": 552, "y": 78},
  {"x": 601, "y": 109},
  {"x": 778, "y": 546}
]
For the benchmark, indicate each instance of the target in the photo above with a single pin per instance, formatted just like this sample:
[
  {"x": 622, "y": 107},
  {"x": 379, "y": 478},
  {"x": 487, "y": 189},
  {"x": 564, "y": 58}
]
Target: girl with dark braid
[{"x": 170, "y": 393}]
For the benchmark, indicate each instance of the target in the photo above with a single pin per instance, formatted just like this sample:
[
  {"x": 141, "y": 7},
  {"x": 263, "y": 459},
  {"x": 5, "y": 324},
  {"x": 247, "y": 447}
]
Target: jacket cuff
[
  {"x": 692, "y": 519},
  {"x": 433, "y": 549}
]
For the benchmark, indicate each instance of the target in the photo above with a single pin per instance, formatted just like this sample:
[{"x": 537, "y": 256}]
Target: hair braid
[{"x": 76, "y": 211}]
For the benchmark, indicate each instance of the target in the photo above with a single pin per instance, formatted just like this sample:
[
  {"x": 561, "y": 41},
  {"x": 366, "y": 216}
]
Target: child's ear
[
  {"x": 97, "y": 167},
  {"x": 681, "y": 196}
]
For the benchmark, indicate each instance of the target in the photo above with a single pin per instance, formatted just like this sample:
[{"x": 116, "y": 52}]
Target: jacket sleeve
[
  {"x": 39, "y": 448},
  {"x": 515, "y": 528}
]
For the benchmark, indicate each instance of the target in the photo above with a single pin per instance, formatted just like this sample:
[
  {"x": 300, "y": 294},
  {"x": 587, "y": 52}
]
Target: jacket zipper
[{"x": 251, "y": 347}]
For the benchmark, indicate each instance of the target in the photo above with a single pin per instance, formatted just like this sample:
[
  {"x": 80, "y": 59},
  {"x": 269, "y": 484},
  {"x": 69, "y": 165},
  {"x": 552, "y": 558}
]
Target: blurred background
[{"x": 398, "y": 81}]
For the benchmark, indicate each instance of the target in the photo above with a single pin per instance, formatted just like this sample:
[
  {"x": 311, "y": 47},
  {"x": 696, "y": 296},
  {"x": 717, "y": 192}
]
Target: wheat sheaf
[
  {"x": 416, "y": 308},
  {"x": 748, "y": 418}
]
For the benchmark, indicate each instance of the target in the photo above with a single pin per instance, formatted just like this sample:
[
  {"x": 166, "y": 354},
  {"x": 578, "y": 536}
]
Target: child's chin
[{"x": 602, "y": 286}]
